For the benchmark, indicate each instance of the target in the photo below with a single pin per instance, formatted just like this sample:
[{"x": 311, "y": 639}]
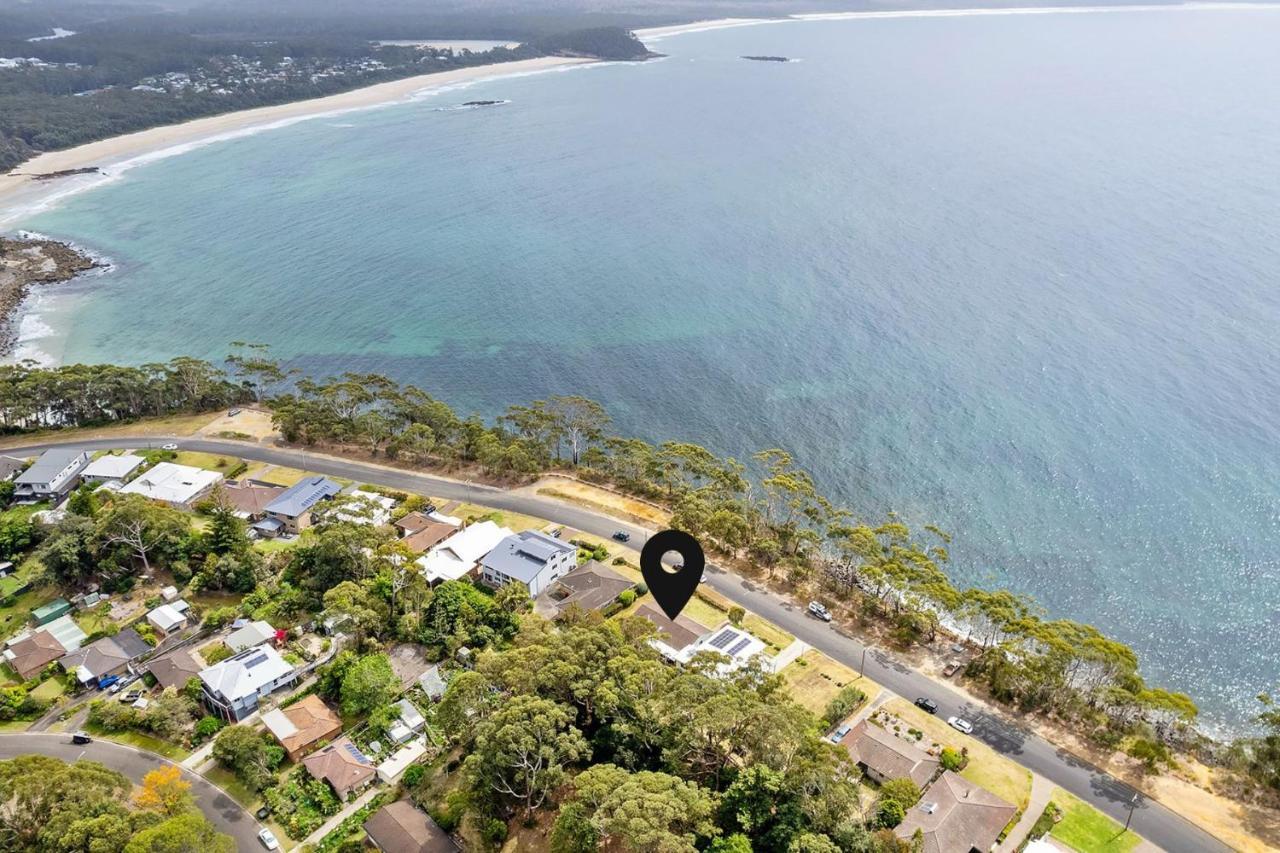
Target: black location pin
[{"x": 672, "y": 589}]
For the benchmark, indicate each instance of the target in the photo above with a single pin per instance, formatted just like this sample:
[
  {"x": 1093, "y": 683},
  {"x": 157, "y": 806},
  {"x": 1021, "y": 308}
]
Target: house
[
  {"x": 51, "y": 476},
  {"x": 253, "y": 634},
  {"x": 391, "y": 769},
  {"x": 411, "y": 522},
  {"x": 107, "y": 656},
  {"x": 180, "y": 486},
  {"x": 457, "y": 556},
  {"x": 342, "y": 765},
  {"x": 174, "y": 669},
  {"x": 367, "y": 508},
  {"x": 429, "y": 536},
  {"x": 882, "y": 755},
  {"x": 737, "y": 644},
  {"x": 410, "y": 722},
  {"x": 292, "y": 507},
  {"x": 68, "y": 634},
  {"x": 233, "y": 687},
  {"x": 591, "y": 586},
  {"x": 28, "y": 656},
  {"x": 432, "y": 684},
  {"x": 10, "y": 466},
  {"x": 674, "y": 635},
  {"x": 400, "y": 827},
  {"x": 249, "y": 498},
  {"x": 51, "y": 610},
  {"x": 168, "y": 618},
  {"x": 109, "y": 468},
  {"x": 957, "y": 816},
  {"x": 302, "y": 725},
  {"x": 533, "y": 558}
]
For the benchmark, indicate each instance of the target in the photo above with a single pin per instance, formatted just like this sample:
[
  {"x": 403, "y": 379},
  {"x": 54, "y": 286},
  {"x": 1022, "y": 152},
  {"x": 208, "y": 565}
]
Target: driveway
[{"x": 223, "y": 812}]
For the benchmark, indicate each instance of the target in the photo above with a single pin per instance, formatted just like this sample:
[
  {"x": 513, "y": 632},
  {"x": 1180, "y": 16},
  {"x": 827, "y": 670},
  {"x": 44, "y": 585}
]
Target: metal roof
[
  {"x": 50, "y": 465},
  {"x": 524, "y": 555},
  {"x": 302, "y": 496}
]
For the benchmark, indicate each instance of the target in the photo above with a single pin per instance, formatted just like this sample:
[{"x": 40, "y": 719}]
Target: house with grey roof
[
  {"x": 10, "y": 466},
  {"x": 535, "y": 559},
  {"x": 51, "y": 476},
  {"x": 107, "y": 656},
  {"x": 291, "y": 509},
  {"x": 250, "y": 635},
  {"x": 956, "y": 816},
  {"x": 232, "y": 688}
]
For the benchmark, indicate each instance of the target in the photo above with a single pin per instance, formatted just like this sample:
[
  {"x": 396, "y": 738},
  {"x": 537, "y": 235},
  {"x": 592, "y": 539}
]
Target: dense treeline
[{"x": 769, "y": 517}]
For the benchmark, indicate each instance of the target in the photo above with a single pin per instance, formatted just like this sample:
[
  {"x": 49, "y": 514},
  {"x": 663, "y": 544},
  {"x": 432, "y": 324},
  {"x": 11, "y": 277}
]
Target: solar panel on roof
[
  {"x": 724, "y": 638},
  {"x": 355, "y": 753},
  {"x": 739, "y": 646},
  {"x": 254, "y": 661}
]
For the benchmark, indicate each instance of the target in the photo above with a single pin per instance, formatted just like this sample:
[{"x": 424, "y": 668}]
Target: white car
[
  {"x": 818, "y": 610},
  {"x": 169, "y": 446},
  {"x": 960, "y": 724},
  {"x": 268, "y": 839}
]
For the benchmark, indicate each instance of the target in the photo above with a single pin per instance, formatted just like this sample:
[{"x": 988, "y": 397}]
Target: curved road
[
  {"x": 1155, "y": 822},
  {"x": 224, "y": 813}
]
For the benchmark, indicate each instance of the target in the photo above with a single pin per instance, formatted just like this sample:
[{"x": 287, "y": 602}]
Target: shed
[{"x": 48, "y": 612}]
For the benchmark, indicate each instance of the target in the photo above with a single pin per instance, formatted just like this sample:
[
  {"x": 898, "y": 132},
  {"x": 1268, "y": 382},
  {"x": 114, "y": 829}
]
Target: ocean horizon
[{"x": 1010, "y": 274}]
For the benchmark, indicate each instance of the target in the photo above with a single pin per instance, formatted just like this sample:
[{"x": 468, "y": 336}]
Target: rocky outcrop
[{"x": 28, "y": 261}]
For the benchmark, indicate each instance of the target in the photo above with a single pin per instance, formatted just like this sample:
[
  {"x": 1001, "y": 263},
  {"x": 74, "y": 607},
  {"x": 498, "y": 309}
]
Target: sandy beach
[{"x": 21, "y": 194}]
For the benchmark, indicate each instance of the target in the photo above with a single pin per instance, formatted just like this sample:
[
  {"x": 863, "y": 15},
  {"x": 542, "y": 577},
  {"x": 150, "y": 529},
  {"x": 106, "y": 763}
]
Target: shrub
[
  {"x": 1150, "y": 752},
  {"x": 904, "y": 792},
  {"x": 112, "y": 716},
  {"x": 215, "y": 653},
  {"x": 627, "y": 597},
  {"x": 843, "y": 704},
  {"x": 207, "y": 728},
  {"x": 952, "y": 760},
  {"x": 493, "y": 830},
  {"x": 889, "y": 814},
  {"x": 414, "y": 775},
  {"x": 737, "y": 614},
  {"x": 642, "y": 589}
]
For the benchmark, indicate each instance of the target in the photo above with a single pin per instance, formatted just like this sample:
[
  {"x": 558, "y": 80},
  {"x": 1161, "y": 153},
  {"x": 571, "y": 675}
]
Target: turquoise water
[{"x": 1013, "y": 275}]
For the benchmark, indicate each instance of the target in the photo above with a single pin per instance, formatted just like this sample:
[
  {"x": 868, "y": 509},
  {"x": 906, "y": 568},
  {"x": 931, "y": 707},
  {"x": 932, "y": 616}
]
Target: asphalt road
[
  {"x": 223, "y": 812},
  {"x": 1155, "y": 822}
]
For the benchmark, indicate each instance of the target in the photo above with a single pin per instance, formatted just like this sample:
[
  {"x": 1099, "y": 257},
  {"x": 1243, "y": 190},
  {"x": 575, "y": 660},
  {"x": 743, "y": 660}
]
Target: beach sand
[{"x": 20, "y": 194}]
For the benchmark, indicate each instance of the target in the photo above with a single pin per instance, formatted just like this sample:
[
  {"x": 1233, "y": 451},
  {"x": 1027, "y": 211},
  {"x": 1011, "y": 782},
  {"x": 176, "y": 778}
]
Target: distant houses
[
  {"x": 533, "y": 558},
  {"x": 51, "y": 476},
  {"x": 179, "y": 486},
  {"x": 290, "y": 511},
  {"x": 232, "y": 688}
]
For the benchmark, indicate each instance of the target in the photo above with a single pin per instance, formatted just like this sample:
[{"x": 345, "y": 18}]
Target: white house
[
  {"x": 390, "y": 770},
  {"x": 535, "y": 559},
  {"x": 457, "y": 556},
  {"x": 51, "y": 476},
  {"x": 177, "y": 485},
  {"x": 233, "y": 687},
  {"x": 107, "y": 469},
  {"x": 167, "y": 618},
  {"x": 368, "y": 508},
  {"x": 253, "y": 634}
]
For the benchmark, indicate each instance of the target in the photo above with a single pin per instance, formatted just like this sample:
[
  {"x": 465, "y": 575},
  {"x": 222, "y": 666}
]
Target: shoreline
[{"x": 23, "y": 193}]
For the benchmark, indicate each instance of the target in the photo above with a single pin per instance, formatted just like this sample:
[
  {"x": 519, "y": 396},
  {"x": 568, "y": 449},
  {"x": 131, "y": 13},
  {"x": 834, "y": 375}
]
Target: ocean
[{"x": 1014, "y": 275}]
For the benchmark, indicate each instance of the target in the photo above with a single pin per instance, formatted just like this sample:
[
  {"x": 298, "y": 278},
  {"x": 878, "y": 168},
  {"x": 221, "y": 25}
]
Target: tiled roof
[
  {"x": 677, "y": 634},
  {"x": 32, "y": 654},
  {"x": 302, "y": 723},
  {"x": 174, "y": 669},
  {"x": 402, "y": 828},
  {"x": 889, "y": 755},
  {"x": 341, "y": 764},
  {"x": 956, "y": 816}
]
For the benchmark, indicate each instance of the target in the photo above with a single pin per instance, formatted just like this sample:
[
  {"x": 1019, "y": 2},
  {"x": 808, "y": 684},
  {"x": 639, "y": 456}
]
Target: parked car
[
  {"x": 960, "y": 724},
  {"x": 268, "y": 839},
  {"x": 838, "y": 734},
  {"x": 169, "y": 446},
  {"x": 107, "y": 681},
  {"x": 952, "y": 667},
  {"x": 927, "y": 705},
  {"x": 231, "y": 413},
  {"x": 81, "y": 738},
  {"x": 818, "y": 610},
  {"x": 262, "y": 813},
  {"x": 131, "y": 696},
  {"x": 141, "y": 703},
  {"x": 622, "y": 536}
]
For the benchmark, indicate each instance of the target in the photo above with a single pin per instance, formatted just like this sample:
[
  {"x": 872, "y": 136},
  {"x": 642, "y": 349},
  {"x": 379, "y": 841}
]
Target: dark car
[
  {"x": 81, "y": 738},
  {"x": 927, "y": 705},
  {"x": 262, "y": 813},
  {"x": 622, "y": 536}
]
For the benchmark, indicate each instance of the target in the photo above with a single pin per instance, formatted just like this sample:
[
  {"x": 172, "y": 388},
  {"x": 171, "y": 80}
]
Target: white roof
[
  {"x": 66, "y": 631},
  {"x": 253, "y": 634},
  {"x": 169, "y": 593},
  {"x": 279, "y": 724},
  {"x": 728, "y": 640},
  {"x": 410, "y": 714},
  {"x": 165, "y": 617},
  {"x": 370, "y": 508},
  {"x": 447, "y": 519},
  {"x": 175, "y": 484},
  {"x": 247, "y": 673},
  {"x": 112, "y": 467},
  {"x": 456, "y": 556},
  {"x": 390, "y": 770}
]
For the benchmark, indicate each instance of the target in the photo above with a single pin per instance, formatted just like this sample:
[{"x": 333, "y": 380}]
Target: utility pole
[
  {"x": 1133, "y": 802},
  {"x": 862, "y": 668}
]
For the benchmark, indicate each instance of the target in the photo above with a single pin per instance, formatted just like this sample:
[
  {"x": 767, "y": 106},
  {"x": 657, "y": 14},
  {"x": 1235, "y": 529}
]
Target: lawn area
[
  {"x": 208, "y": 461},
  {"x": 237, "y": 790},
  {"x": 502, "y": 518},
  {"x": 14, "y": 725},
  {"x": 24, "y": 512},
  {"x": 173, "y": 425},
  {"x": 49, "y": 689},
  {"x": 270, "y": 546},
  {"x": 775, "y": 637},
  {"x": 815, "y": 679},
  {"x": 1088, "y": 830},
  {"x": 986, "y": 767},
  {"x": 92, "y": 621},
  {"x": 698, "y": 609},
  {"x": 141, "y": 741},
  {"x": 16, "y": 615}
]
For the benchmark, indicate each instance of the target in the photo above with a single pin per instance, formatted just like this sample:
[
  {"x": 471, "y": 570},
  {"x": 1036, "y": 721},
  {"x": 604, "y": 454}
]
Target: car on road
[
  {"x": 268, "y": 839},
  {"x": 231, "y": 413},
  {"x": 960, "y": 724},
  {"x": 169, "y": 446},
  {"x": 952, "y": 667},
  {"x": 622, "y": 536},
  {"x": 81, "y": 738},
  {"x": 818, "y": 610},
  {"x": 838, "y": 734},
  {"x": 927, "y": 705}
]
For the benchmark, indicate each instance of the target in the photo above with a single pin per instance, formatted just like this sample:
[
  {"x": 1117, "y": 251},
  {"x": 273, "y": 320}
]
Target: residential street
[
  {"x": 1155, "y": 822},
  {"x": 223, "y": 812}
]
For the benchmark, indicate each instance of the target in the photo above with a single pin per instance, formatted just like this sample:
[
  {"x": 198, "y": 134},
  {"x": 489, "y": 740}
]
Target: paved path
[
  {"x": 332, "y": 823},
  {"x": 1041, "y": 792},
  {"x": 224, "y": 813},
  {"x": 1162, "y": 826}
]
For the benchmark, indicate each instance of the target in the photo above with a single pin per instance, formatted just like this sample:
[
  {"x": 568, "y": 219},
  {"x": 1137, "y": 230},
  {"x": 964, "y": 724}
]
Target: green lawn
[
  {"x": 50, "y": 689},
  {"x": 210, "y": 461},
  {"x": 25, "y": 511},
  {"x": 1088, "y": 830},
  {"x": 270, "y": 546},
  {"x": 141, "y": 741},
  {"x": 16, "y": 616},
  {"x": 230, "y": 782},
  {"x": 92, "y": 621}
]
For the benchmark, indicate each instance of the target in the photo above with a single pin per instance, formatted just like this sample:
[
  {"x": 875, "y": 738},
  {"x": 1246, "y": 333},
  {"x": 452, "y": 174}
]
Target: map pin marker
[{"x": 672, "y": 589}]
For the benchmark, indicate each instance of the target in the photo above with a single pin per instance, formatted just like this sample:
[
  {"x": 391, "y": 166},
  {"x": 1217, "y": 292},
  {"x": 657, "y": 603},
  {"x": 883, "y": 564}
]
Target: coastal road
[
  {"x": 224, "y": 813},
  {"x": 1158, "y": 824}
]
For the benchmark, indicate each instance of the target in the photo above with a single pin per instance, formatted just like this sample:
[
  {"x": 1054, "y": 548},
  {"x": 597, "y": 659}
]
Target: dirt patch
[
  {"x": 601, "y": 500},
  {"x": 408, "y": 662},
  {"x": 247, "y": 424}
]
